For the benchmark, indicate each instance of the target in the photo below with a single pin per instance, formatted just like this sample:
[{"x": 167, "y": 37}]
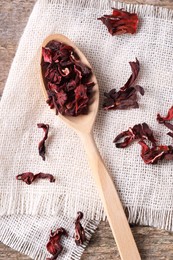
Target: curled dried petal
[
  {"x": 42, "y": 175},
  {"x": 168, "y": 125},
  {"x": 140, "y": 131},
  {"x": 135, "y": 67},
  {"x": 120, "y": 22},
  {"x": 147, "y": 133},
  {"x": 154, "y": 154},
  {"x": 126, "y": 97},
  {"x": 79, "y": 230},
  {"x": 61, "y": 97},
  {"x": 29, "y": 177},
  {"x": 53, "y": 246},
  {"x": 47, "y": 55},
  {"x": 41, "y": 145},
  {"x": 168, "y": 117},
  {"x": 170, "y": 134},
  {"x": 139, "y": 89}
]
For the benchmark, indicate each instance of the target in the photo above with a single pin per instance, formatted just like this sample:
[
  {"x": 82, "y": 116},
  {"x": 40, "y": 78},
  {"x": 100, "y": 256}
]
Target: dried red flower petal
[
  {"x": 61, "y": 97},
  {"x": 140, "y": 131},
  {"x": 53, "y": 246},
  {"x": 168, "y": 117},
  {"x": 47, "y": 55},
  {"x": 120, "y": 22},
  {"x": 79, "y": 230},
  {"x": 41, "y": 145},
  {"x": 170, "y": 134},
  {"x": 154, "y": 154},
  {"x": 29, "y": 177},
  {"x": 126, "y": 97},
  {"x": 67, "y": 79}
]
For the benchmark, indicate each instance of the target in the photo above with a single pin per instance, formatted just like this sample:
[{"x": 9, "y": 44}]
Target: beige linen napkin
[{"x": 145, "y": 190}]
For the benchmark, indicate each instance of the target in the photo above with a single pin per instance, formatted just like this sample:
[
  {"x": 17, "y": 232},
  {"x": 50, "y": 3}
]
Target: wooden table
[{"x": 153, "y": 244}]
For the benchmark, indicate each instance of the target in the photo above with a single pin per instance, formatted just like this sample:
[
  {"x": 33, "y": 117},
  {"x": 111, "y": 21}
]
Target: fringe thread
[
  {"x": 15, "y": 242},
  {"x": 143, "y": 10},
  {"x": 162, "y": 219}
]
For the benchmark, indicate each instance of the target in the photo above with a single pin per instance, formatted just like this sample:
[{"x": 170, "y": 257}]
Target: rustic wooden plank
[
  {"x": 153, "y": 244},
  {"x": 13, "y": 18}
]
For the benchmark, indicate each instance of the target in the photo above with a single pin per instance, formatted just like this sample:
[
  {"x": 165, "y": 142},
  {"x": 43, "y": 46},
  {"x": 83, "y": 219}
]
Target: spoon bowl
[
  {"x": 83, "y": 125},
  {"x": 80, "y": 123}
]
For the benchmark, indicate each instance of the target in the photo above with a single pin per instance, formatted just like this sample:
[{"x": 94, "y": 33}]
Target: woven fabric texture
[
  {"x": 30, "y": 234},
  {"x": 145, "y": 190}
]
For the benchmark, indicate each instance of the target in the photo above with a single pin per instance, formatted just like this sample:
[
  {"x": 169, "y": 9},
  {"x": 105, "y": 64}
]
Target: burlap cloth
[{"x": 29, "y": 212}]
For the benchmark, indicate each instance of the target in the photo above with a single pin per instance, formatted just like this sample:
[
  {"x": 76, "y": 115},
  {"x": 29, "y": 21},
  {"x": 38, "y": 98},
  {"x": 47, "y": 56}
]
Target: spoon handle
[{"x": 111, "y": 202}]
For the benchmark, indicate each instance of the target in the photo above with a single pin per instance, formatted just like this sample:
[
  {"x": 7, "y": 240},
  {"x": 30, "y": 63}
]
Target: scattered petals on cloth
[
  {"x": 18, "y": 150},
  {"x": 31, "y": 233}
]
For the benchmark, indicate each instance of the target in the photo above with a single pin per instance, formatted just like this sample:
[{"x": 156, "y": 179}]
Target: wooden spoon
[{"x": 83, "y": 125}]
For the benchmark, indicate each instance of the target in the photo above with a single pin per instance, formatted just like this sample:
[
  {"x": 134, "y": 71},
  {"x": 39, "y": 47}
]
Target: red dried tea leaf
[
  {"x": 53, "y": 246},
  {"x": 120, "y": 22},
  {"x": 140, "y": 131},
  {"x": 79, "y": 230},
  {"x": 67, "y": 79},
  {"x": 29, "y": 177},
  {"x": 154, "y": 154},
  {"x": 126, "y": 97},
  {"x": 41, "y": 145}
]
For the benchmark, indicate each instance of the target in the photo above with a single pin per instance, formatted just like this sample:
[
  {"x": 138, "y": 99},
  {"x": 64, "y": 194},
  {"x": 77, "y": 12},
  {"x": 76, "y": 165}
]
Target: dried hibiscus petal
[
  {"x": 47, "y": 55},
  {"x": 126, "y": 97},
  {"x": 140, "y": 131},
  {"x": 67, "y": 79},
  {"x": 29, "y": 177},
  {"x": 154, "y": 154},
  {"x": 53, "y": 246},
  {"x": 120, "y": 22},
  {"x": 41, "y": 145},
  {"x": 79, "y": 235},
  {"x": 168, "y": 117},
  {"x": 170, "y": 134}
]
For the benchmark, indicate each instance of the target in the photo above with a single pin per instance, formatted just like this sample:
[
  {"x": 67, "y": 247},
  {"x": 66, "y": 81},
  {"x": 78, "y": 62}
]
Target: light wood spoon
[{"x": 83, "y": 125}]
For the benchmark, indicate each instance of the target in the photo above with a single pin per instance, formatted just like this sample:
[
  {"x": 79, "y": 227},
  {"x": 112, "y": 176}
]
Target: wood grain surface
[{"x": 153, "y": 244}]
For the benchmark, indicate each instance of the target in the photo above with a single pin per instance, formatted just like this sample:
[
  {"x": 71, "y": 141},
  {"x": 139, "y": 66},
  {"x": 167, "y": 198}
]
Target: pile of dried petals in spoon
[{"x": 67, "y": 79}]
